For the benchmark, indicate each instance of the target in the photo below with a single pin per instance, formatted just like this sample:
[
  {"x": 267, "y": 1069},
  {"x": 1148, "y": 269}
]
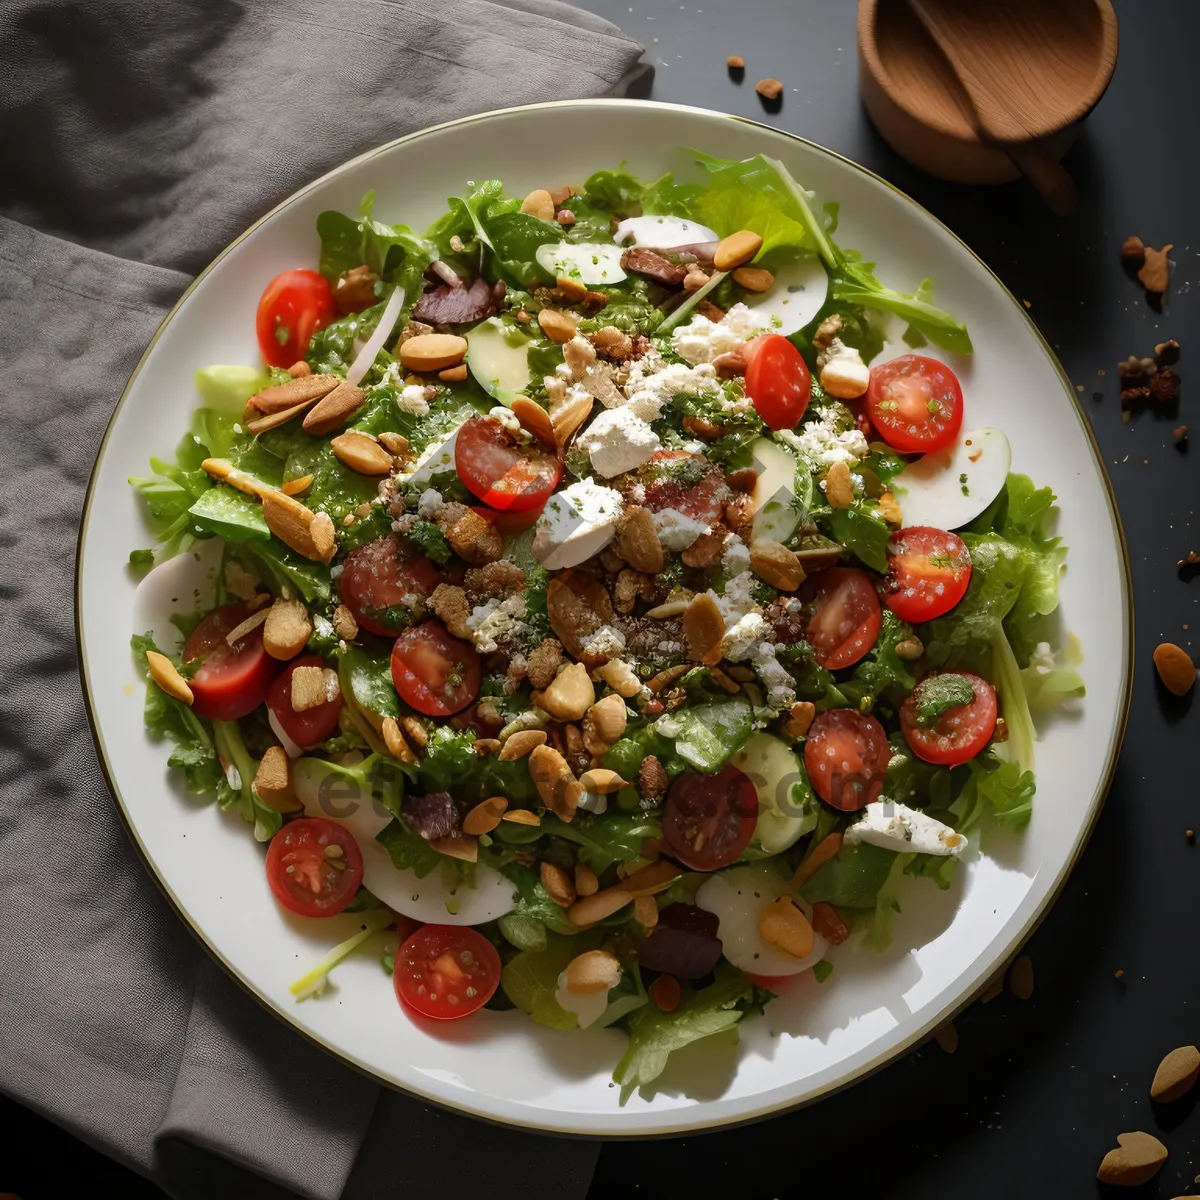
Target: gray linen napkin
[{"x": 146, "y": 134}]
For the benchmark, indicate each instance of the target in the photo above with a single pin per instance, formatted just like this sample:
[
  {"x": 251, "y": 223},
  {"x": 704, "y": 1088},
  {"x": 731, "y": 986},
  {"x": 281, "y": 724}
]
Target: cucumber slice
[
  {"x": 787, "y": 808},
  {"x": 777, "y": 507}
]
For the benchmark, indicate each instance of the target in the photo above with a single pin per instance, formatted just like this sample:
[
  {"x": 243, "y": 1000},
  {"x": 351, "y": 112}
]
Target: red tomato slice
[
  {"x": 778, "y": 381},
  {"x": 446, "y": 971},
  {"x": 773, "y": 983},
  {"x": 234, "y": 679},
  {"x": 379, "y": 576},
  {"x": 510, "y": 523},
  {"x": 309, "y": 726},
  {"x": 960, "y": 733},
  {"x": 709, "y": 820},
  {"x": 916, "y": 403},
  {"x": 505, "y": 474},
  {"x": 686, "y": 482},
  {"x": 846, "y": 755},
  {"x": 929, "y": 570},
  {"x": 435, "y": 673},
  {"x": 845, "y": 618},
  {"x": 314, "y": 867},
  {"x": 292, "y": 308}
]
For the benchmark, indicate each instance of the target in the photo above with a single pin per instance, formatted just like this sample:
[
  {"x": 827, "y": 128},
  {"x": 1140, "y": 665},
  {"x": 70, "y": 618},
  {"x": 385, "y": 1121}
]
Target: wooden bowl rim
[{"x": 1105, "y": 66}]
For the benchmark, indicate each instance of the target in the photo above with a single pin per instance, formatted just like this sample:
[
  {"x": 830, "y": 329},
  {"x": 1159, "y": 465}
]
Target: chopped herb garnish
[{"x": 935, "y": 695}]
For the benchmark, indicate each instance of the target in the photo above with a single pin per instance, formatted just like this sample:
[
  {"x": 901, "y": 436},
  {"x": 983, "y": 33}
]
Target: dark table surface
[{"x": 1037, "y": 1091}]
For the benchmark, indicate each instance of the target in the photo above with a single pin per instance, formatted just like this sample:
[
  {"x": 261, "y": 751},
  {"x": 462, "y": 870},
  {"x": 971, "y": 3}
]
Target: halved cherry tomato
[
  {"x": 772, "y": 983},
  {"x": 708, "y": 820},
  {"x": 234, "y": 680},
  {"x": 687, "y": 483},
  {"x": 293, "y": 306},
  {"x": 916, "y": 403},
  {"x": 928, "y": 573},
  {"x": 379, "y": 576},
  {"x": 314, "y": 867},
  {"x": 504, "y": 473},
  {"x": 434, "y": 672},
  {"x": 845, "y": 617},
  {"x": 846, "y": 755},
  {"x": 309, "y": 726},
  {"x": 446, "y": 971},
  {"x": 778, "y": 380},
  {"x": 960, "y": 733},
  {"x": 510, "y": 523}
]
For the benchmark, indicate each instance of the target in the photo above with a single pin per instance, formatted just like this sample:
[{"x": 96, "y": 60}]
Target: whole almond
[
  {"x": 555, "y": 782},
  {"x": 334, "y": 410},
  {"x": 361, "y": 453},
  {"x": 591, "y": 972},
  {"x": 586, "y": 883},
  {"x": 777, "y": 565},
  {"x": 485, "y": 816},
  {"x": 1137, "y": 1160},
  {"x": 1175, "y": 668},
  {"x": 534, "y": 420},
  {"x": 619, "y": 676},
  {"x": 754, "y": 279},
  {"x": 568, "y": 418},
  {"x": 703, "y": 629},
  {"x": 599, "y": 905},
  {"x": 783, "y": 925},
  {"x": 557, "y": 883},
  {"x": 736, "y": 249},
  {"x": 602, "y": 782},
  {"x": 164, "y": 673},
  {"x": 521, "y": 743},
  {"x": 1176, "y": 1075},
  {"x": 433, "y": 352},
  {"x": 282, "y": 396},
  {"x": 287, "y": 629},
  {"x": 609, "y": 718},
  {"x": 308, "y": 533},
  {"x": 557, "y": 326},
  {"x": 638, "y": 544}
]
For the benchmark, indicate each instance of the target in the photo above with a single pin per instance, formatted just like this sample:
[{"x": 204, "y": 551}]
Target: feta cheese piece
[
  {"x": 737, "y": 600},
  {"x": 653, "y": 383},
  {"x": 735, "y": 557},
  {"x": 618, "y": 441},
  {"x": 606, "y": 642},
  {"x": 412, "y": 400},
  {"x": 822, "y": 445},
  {"x": 434, "y": 459},
  {"x": 742, "y": 640},
  {"x": 893, "y": 826},
  {"x": 588, "y": 1008},
  {"x": 702, "y": 340},
  {"x": 676, "y": 530},
  {"x": 507, "y": 418},
  {"x": 428, "y": 504},
  {"x": 774, "y": 676},
  {"x": 578, "y": 522},
  {"x": 497, "y": 621}
]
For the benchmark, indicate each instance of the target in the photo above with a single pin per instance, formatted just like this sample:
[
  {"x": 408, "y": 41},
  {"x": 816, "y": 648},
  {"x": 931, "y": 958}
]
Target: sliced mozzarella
[
  {"x": 182, "y": 585},
  {"x": 737, "y": 897},
  {"x": 786, "y": 809},
  {"x": 588, "y": 262},
  {"x": 776, "y": 511},
  {"x": 795, "y": 298},
  {"x": 401, "y": 890},
  {"x": 588, "y": 1008},
  {"x": 663, "y": 233},
  {"x": 577, "y": 524},
  {"x": 499, "y": 359},
  {"x": 950, "y": 488},
  {"x": 434, "y": 459},
  {"x": 897, "y": 827}
]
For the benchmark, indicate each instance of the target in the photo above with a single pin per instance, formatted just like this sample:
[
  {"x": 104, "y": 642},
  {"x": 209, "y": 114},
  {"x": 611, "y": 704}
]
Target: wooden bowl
[{"x": 1058, "y": 54}]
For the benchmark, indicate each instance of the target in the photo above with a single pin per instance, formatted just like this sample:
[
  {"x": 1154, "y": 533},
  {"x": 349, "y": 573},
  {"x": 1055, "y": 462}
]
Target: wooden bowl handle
[{"x": 1048, "y": 175}]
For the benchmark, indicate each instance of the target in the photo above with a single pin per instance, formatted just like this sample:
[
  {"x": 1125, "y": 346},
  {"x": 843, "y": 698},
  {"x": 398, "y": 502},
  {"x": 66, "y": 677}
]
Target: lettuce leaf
[
  {"x": 883, "y": 673},
  {"x": 620, "y": 193}
]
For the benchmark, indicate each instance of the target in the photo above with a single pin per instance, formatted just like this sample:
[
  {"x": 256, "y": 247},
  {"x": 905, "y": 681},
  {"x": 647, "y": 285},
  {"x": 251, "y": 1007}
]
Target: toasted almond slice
[
  {"x": 783, "y": 925},
  {"x": 334, "y": 410},
  {"x": 521, "y": 743},
  {"x": 599, "y": 905},
  {"x": 667, "y": 610},
  {"x": 557, "y": 883},
  {"x": 361, "y": 453},
  {"x": 534, "y": 420},
  {"x": 458, "y": 845},
  {"x": 433, "y": 352},
  {"x": 454, "y": 374},
  {"x": 601, "y": 781},
  {"x": 1176, "y": 1075},
  {"x": 521, "y": 816},
  {"x": 645, "y": 912},
  {"x": 224, "y": 470},
  {"x": 273, "y": 781},
  {"x": 395, "y": 742},
  {"x": 777, "y": 565},
  {"x": 287, "y": 629},
  {"x": 308, "y": 533},
  {"x": 275, "y": 419},
  {"x": 592, "y": 972},
  {"x": 283, "y": 396},
  {"x": 165, "y": 674},
  {"x": 557, "y": 326},
  {"x": 569, "y": 417},
  {"x": 485, "y": 816},
  {"x": 296, "y": 487},
  {"x": 308, "y": 688},
  {"x": 586, "y": 883},
  {"x": 651, "y": 879},
  {"x": 249, "y": 625},
  {"x": 638, "y": 544},
  {"x": 703, "y": 629},
  {"x": 539, "y": 203}
]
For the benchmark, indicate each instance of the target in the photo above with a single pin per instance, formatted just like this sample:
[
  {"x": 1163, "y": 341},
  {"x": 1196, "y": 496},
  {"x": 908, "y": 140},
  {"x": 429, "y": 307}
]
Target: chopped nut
[
  {"x": 631, "y": 586},
  {"x": 539, "y": 204},
  {"x": 361, "y": 453},
  {"x": 769, "y": 89},
  {"x": 297, "y": 486},
  {"x": 299, "y": 370},
  {"x": 653, "y": 779},
  {"x": 485, "y": 816},
  {"x": 827, "y": 331},
  {"x": 1155, "y": 274},
  {"x": 494, "y": 580},
  {"x": 601, "y": 781},
  {"x": 485, "y": 746},
  {"x": 910, "y": 649},
  {"x": 557, "y": 884},
  {"x": 703, "y": 629},
  {"x": 800, "y": 717},
  {"x": 694, "y": 280},
  {"x": 310, "y": 534},
  {"x": 839, "y": 487},
  {"x": 946, "y": 1037},
  {"x": 1164, "y": 386},
  {"x": 535, "y": 420},
  {"x": 586, "y": 883},
  {"x": 571, "y": 289},
  {"x": 396, "y": 444},
  {"x": 703, "y": 428},
  {"x": 845, "y": 376},
  {"x": 732, "y": 363},
  {"x": 592, "y": 972},
  {"x": 735, "y": 62},
  {"x": 287, "y": 629},
  {"x": 544, "y": 661},
  {"x": 777, "y": 565},
  {"x": 596, "y": 907},
  {"x": 273, "y": 781},
  {"x": 705, "y": 550},
  {"x": 736, "y": 249},
  {"x": 612, "y": 343},
  {"x": 354, "y": 290},
  {"x": 1167, "y": 353},
  {"x": 754, "y": 279},
  {"x": 523, "y": 742},
  {"x": 1179, "y": 435},
  {"x": 1175, "y": 668},
  {"x": 334, "y": 410},
  {"x": 565, "y": 217},
  {"x": 308, "y": 688},
  {"x": 451, "y": 605},
  {"x": 472, "y": 537},
  {"x": 344, "y": 624},
  {"x": 889, "y": 510},
  {"x": 606, "y": 720},
  {"x": 555, "y": 782},
  {"x": 1133, "y": 253},
  {"x": 395, "y": 742},
  {"x": 619, "y": 676},
  {"x": 557, "y": 326},
  {"x": 164, "y": 673},
  {"x": 428, "y": 352},
  {"x": 784, "y": 926},
  {"x": 454, "y": 374}
]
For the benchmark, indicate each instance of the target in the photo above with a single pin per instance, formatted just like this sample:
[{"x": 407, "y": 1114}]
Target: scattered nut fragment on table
[
  {"x": 1176, "y": 1075},
  {"x": 1175, "y": 668},
  {"x": 735, "y": 62},
  {"x": 1155, "y": 273},
  {"x": 769, "y": 89},
  {"x": 1137, "y": 1159}
]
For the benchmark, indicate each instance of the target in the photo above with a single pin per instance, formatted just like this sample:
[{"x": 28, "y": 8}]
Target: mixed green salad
[{"x": 601, "y": 615}]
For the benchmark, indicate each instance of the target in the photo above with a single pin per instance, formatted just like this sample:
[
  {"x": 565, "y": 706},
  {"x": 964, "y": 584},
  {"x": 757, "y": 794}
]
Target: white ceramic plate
[{"x": 500, "y": 1065}]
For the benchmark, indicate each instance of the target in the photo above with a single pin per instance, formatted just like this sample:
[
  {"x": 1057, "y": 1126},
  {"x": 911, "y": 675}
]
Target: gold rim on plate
[{"x": 884, "y": 1058}]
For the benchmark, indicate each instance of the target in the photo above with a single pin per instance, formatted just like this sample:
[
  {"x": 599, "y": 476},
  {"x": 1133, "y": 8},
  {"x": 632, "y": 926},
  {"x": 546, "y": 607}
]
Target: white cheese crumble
[
  {"x": 606, "y": 642},
  {"x": 412, "y": 399},
  {"x": 507, "y": 418},
  {"x": 428, "y": 504},
  {"x": 618, "y": 441},
  {"x": 893, "y": 826},
  {"x": 497, "y": 621},
  {"x": 676, "y": 530},
  {"x": 577, "y": 523},
  {"x": 741, "y": 640},
  {"x": 737, "y": 600},
  {"x": 651, "y": 384},
  {"x": 775, "y": 677},
  {"x": 822, "y": 446},
  {"x": 702, "y": 340},
  {"x": 735, "y": 558}
]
